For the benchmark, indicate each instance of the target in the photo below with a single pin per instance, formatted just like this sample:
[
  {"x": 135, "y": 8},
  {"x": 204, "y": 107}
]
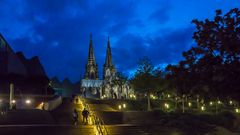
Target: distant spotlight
[
  {"x": 28, "y": 101},
  {"x": 168, "y": 95},
  {"x": 203, "y": 108},
  {"x": 124, "y": 105},
  {"x": 219, "y": 102},
  {"x": 119, "y": 107},
  {"x": 13, "y": 101},
  {"x": 189, "y": 104}
]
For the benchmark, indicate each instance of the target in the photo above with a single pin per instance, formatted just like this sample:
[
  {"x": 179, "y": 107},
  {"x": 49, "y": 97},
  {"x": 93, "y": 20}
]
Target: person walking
[
  {"x": 75, "y": 117},
  {"x": 85, "y": 114}
]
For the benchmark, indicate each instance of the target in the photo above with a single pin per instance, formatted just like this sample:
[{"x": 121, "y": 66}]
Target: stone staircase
[
  {"x": 47, "y": 130},
  {"x": 127, "y": 130}
]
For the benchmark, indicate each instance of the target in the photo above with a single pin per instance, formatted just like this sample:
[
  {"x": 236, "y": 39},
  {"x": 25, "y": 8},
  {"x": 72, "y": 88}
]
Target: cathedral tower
[
  {"x": 108, "y": 67},
  {"x": 91, "y": 67}
]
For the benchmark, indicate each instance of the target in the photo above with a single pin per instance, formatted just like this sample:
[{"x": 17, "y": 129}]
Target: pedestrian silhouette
[
  {"x": 75, "y": 117},
  {"x": 85, "y": 114}
]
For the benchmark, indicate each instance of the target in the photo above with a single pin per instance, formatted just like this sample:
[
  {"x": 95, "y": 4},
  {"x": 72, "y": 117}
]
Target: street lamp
[
  {"x": 124, "y": 105},
  {"x": 119, "y": 107},
  {"x": 189, "y": 104},
  {"x": 237, "y": 110},
  {"x": 203, "y": 108},
  {"x": 230, "y": 102},
  {"x": 166, "y": 105},
  {"x": 28, "y": 101},
  {"x": 13, "y": 101}
]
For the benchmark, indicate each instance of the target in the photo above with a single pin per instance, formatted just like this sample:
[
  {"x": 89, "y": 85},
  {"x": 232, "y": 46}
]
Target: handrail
[{"x": 98, "y": 122}]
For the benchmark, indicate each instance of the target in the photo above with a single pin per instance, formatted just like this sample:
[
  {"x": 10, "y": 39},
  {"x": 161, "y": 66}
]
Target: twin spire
[
  {"x": 91, "y": 57},
  {"x": 91, "y": 67}
]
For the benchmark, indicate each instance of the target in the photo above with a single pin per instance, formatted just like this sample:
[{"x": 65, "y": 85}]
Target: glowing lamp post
[
  {"x": 166, "y": 105},
  {"x": 203, "y": 108},
  {"x": 124, "y": 105},
  {"x": 189, "y": 104},
  {"x": 28, "y": 101},
  {"x": 13, "y": 101},
  {"x": 119, "y": 107},
  {"x": 237, "y": 110},
  {"x": 230, "y": 102}
]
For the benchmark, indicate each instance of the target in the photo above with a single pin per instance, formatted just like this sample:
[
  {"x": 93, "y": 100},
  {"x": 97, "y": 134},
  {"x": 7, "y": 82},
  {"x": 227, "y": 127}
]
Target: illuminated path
[{"x": 59, "y": 122}]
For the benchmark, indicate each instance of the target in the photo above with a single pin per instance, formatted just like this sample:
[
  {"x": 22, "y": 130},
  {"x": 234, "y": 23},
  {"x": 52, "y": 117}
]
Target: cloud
[
  {"x": 58, "y": 32},
  {"x": 162, "y": 49}
]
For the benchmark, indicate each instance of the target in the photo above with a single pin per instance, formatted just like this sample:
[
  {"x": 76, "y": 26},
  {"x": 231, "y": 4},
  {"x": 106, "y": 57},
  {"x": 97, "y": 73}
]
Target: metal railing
[{"x": 98, "y": 122}]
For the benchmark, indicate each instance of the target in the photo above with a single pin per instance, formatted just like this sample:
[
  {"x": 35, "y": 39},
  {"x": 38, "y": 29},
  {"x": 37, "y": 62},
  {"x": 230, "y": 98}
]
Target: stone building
[
  {"x": 94, "y": 87},
  {"x": 27, "y": 75}
]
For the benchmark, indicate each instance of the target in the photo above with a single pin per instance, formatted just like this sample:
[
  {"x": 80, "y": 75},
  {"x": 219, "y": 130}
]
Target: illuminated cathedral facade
[{"x": 94, "y": 87}]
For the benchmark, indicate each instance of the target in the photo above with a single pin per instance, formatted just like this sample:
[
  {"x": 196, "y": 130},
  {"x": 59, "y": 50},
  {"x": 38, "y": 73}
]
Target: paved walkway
[{"x": 63, "y": 114}]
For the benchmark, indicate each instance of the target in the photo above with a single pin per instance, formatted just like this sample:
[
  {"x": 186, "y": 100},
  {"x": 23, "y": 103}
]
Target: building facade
[{"x": 94, "y": 87}]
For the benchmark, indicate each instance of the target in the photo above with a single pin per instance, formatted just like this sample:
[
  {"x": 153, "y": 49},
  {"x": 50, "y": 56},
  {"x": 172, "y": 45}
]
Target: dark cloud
[
  {"x": 161, "y": 15},
  {"x": 162, "y": 49}
]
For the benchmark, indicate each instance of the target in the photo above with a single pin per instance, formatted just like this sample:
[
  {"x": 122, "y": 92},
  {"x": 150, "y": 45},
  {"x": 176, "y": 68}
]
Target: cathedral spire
[
  {"x": 108, "y": 60},
  {"x": 109, "y": 69},
  {"x": 91, "y": 67},
  {"x": 91, "y": 57}
]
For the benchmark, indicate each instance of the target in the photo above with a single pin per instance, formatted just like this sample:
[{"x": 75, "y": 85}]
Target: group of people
[{"x": 85, "y": 114}]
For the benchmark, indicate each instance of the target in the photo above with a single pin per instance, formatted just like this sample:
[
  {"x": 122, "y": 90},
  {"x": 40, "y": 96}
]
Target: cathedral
[{"x": 94, "y": 87}]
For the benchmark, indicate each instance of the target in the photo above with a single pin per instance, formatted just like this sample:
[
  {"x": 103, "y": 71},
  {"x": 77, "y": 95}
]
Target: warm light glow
[
  {"x": 28, "y": 101},
  {"x": 230, "y": 102},
  {"x": 237, "y": 110},
  {"x": 153, "y": 97},
  {"x": 166, "y": 105},
  {"x": 124, "y": 105},
  {"x": 211, "y": 103},
  {"x": 119, "y": 107},
  {"x": 203, "y": 108},
  {"x": 168, "y": 95},
  {"x": 13, "y": 101},
  {"x": 219, "y": 102},
  {"x": 189, "y": 104},
  {"x": 132, "y": 96}
]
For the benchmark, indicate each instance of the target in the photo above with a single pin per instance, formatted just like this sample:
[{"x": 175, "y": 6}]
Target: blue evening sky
[{"x": 58, "y": 30}]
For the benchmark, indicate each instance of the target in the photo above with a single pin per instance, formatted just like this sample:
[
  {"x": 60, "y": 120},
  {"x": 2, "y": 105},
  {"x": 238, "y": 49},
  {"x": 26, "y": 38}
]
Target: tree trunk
[
  {"x": 183, "y": 106},
  {"x": 216, "y": 106},
  {"x": 176, "y": 103},
  {"x": 197, "y": 102},
  {"x": 148, "y": 104}
]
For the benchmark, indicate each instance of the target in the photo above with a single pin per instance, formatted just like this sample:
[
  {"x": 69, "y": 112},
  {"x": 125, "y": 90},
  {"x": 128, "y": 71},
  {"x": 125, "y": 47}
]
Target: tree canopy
[{"x": 212, "y": 67}]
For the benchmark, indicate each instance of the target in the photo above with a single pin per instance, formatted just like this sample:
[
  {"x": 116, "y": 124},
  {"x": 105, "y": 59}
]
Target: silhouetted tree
[
  {"x": 212, "y": 68},
  {"x": 146, "y": 79}
]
